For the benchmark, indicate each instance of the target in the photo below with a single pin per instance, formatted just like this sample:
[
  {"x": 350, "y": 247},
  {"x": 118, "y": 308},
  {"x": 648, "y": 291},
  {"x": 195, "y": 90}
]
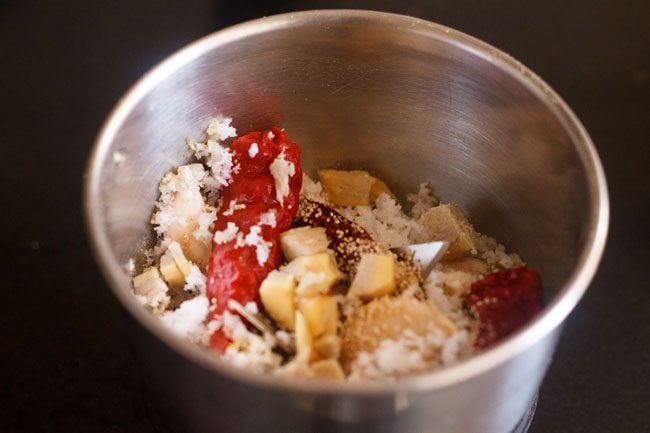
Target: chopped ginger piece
[
  {"x": 170, "y": 271},
  {"x": 277, "y": 295},
  {"x": 152, "y": 288},
  {"x": 321, "y": 313},
  {"x": 375, "y": 276},
  {"x": 177, "y": 253},
  {"x": 304, "y": 339},
  {"x": 303, "y": 241},
  {"x": 322, "y": 263},
  {"x": 328, "y": 346}
]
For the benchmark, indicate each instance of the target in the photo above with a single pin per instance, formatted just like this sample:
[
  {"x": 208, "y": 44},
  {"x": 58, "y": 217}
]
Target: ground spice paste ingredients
[{"x": 278, "y": 273}]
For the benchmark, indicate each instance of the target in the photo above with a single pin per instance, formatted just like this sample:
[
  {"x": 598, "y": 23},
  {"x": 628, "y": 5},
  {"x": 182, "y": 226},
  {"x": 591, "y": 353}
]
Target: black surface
[{"x": 65, "y": 363}]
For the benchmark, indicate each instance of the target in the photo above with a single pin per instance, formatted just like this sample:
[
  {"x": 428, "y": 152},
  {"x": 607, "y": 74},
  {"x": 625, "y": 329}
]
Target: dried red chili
[
  {"x": 251, "y": 202},
  {"x": 504, "y": 301}
]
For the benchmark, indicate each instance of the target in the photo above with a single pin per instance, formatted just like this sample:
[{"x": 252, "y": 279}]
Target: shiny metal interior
[{"x": 411, "y": 102}]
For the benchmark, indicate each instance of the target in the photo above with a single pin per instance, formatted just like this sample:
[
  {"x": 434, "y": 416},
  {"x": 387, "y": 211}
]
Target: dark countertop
[{"x": 65, "y": 361}]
